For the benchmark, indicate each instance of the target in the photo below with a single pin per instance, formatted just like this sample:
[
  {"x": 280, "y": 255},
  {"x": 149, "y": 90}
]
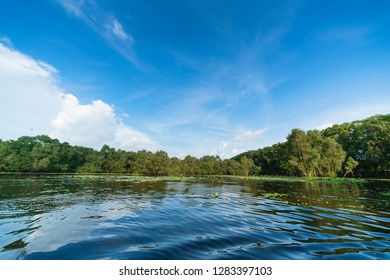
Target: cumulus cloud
[
  {"x": 91, "y": 124},
  {"x": 244, "y": 141},
  {"x": 32, "y": 103},
  {"x": 96, "y": 124},
  {"x": 249, "y": 134},
  {"x": 129, "y": 138},
  {"x": 228, "y": 150},
  {"x": 29, "y": 95}
]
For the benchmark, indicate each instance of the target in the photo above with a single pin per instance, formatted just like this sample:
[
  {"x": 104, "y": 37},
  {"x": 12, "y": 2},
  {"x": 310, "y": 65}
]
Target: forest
[{"x": 356, "y": 149}]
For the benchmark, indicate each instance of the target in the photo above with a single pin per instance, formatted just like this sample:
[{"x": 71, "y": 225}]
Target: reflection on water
[{"x": 97, "y": 217}]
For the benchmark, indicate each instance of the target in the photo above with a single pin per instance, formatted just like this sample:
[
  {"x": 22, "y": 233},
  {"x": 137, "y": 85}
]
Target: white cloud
[
  {"x": 117, "y": 29},
  {"x": 228, "y": 150},
  {"x": 96, "y": 124},
  {"x": 73, "y": 7},
  {"x": 245, "y": 141},
  {"x": 105, "y": 24},
  {"x": 90, "y": 125},
  {"x": 224, "y": 145},
  {"x": 352, "y": 36},
  {"x": 131, "y": 139},
  {"x": 353, "y": 112},
  {"x": 323, "y": 126},
  {"x": 6, "y": 41},
  {"x": 249, "y": 134},
  {"x": 32, "y": 104},
  {"x": 358, "y": 111},
  {"x": 28, "y": 93}
]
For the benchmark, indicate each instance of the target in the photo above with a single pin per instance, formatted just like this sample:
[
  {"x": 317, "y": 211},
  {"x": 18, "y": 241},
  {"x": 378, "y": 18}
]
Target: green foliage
[
  {"x": 367, "y": 142},
  {"x": 360, "y": 148},
  {"x": 210, "y": 165},
  {"x": 248, "y": 166},
  {"x": 332, "y": 157},
  {"x": 302, "y": 157},
  {"x": 350, "y": 165},
  {"x": 190, "y": 166}
]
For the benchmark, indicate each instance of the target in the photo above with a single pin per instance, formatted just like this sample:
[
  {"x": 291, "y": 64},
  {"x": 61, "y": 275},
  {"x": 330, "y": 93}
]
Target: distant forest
[{"x": 356, "y": 149}]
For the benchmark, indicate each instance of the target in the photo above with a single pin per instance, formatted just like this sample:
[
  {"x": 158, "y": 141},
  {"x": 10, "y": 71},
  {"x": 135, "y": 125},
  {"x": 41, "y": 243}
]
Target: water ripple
[{"x": 66, "y": 218}]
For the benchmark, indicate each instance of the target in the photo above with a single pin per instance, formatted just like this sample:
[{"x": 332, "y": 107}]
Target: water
[{"x": 97, "y": 217}]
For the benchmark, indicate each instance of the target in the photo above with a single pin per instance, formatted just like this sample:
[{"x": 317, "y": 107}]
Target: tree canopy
[
  {"x": 43, "y": 154},
  {"x": 360, "y": 148}
]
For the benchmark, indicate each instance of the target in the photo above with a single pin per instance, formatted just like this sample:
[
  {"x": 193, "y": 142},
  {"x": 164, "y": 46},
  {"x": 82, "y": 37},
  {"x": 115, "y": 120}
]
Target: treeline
[
  {"x": 43, "y": 154},
  {"x": 359, "y": 149}
]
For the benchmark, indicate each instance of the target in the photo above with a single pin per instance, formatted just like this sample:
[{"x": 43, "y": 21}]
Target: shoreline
[{"x": 134, "y": 177}]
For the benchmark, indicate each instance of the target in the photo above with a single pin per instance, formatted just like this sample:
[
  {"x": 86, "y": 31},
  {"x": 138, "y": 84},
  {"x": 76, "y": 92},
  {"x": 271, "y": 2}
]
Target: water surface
[{"x": 103, "y": 217}]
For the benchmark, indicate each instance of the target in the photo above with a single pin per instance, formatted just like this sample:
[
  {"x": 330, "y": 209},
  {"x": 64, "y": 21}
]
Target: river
[{"x": 119, "y": 217}]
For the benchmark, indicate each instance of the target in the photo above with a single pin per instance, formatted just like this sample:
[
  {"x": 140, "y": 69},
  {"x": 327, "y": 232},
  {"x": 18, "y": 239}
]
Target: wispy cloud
[
  {"x": 227, "y": 89},
  {"x": 6, "y": 41},
  {"x": 211, "y": 107},
  {"x": 347, "y": 113},
  {"x": 105, "y": 24},
  {"x": 358, "y": 35},
  {"x": 117, "y": 29},
  {"x": 73, "y": 7}
]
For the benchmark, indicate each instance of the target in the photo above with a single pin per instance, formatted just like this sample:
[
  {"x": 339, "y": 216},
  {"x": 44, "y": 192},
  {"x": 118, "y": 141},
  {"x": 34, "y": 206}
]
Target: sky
[{"x": 190, "y": 77}]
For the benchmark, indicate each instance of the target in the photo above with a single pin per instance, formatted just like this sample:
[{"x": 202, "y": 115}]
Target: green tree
[
  {"x": 349, "y": 166},
  {"x": 247, "y": 166},
  {"x": 175, "y": 167},
  {"x": 302, "y": 158},
  {"x": 143, "y": 163},
  {"x": 366, "y": 141},
  {"x": 160, "y": 164},
  {"x": 231, "y": 167},
  {"x": 210, "y": 165},
  {"x": 191, "y": 166},
  {"x": 332, "y": 157}
]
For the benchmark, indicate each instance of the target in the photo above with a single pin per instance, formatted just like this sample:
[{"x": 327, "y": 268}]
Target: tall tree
[
  {"x": 247, "y": 166},
  {"x": 302, "y": 158}
]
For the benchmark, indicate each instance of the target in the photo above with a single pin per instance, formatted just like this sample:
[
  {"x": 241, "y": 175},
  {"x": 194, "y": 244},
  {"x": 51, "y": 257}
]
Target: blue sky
[{"x": 189, "y": 77}]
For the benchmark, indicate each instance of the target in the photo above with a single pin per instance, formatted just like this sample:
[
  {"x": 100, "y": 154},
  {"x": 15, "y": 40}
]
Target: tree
[
  {"x": 247, "y": 166},
  {"x": 210, "y": 165},
  {"x": 160, "y": 164},
  {"x": 359, "y": 148},
  {"x": 143, "y": 163},
  {"x": 231, "y": 167},
  {"x": 191, "y": 166},
  {"x": 3, "y": 155},
  {"x": 349, "y": 166},
  {"x": 302, "y": 158},
  {"x": 332, "y": 157},
  {"x": 175, "y": 166}
]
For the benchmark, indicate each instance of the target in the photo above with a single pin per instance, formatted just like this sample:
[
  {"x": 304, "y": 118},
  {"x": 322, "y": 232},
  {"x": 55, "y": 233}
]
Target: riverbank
[{"x": 131, "y": 177}]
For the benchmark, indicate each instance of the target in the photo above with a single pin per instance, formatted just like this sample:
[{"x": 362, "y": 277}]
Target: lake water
[{"x": 103, "y": 217}]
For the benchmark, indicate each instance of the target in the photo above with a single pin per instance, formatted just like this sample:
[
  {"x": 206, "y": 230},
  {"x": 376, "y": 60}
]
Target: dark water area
[{"x": 103, "y": 217}]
